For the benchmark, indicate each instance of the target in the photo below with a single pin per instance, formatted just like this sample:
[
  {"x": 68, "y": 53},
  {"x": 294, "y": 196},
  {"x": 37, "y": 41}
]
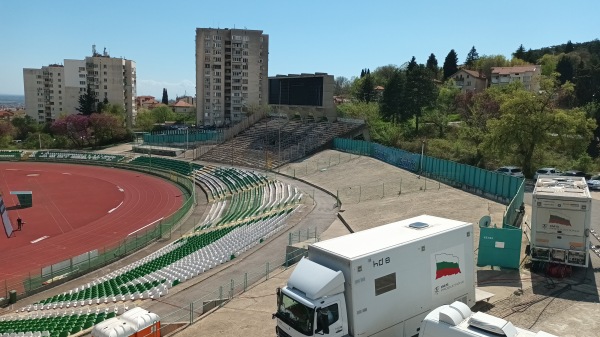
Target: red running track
[{"x": 78, "y": 208}]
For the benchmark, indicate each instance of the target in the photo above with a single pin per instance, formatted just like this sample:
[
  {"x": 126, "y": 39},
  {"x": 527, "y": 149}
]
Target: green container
[{"x": 12, "y": 297}]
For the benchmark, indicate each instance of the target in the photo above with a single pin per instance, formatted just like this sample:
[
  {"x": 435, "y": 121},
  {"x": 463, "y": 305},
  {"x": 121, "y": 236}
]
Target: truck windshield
[{"x": 295, "y": 314}]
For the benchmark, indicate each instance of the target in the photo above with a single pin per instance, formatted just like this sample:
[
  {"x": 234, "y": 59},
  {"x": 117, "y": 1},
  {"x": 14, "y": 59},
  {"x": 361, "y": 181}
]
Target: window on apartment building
[
  {"x": 207, "y": 80},
  {"x": 217, "y": 94},
  {"x": 59, "y": 80},
  {"x": 216, "y": 37},
  {"x": 468, "y": 83},
  {"x": 216, "y": 66},
  {"x": 216, "y": 87},
  {"x": 81, "y": 75},
  {"x": 207, "y": 100},
  {"x": 237, "y": 59},
  {"x": 217, "y": 45},
  {"x": 60, "y": 103},
  {"x": 245, "y": 67},
  {"x": 245, "y": 95},
  {"x": 207, "y": 86},
  {"x": 245, "y": 88},
  {"x": 217, "y": 80},
  {"x": 245, "y": 60},
  {"x": 217, "y": 52},
  {"x": 105, "y": 87},
  {"x": 245, "y": 45},
  {"x": 245, "y": 53},
  {"x": 245, "y": 81},
  {"x": 207, "y": 50},
  {"x": 207, "y": 93},
  {"x": 236, "y": 87},
  {"x": 206, "y": 58},
  {"x": 236, "y": 108},
  {"x": 105, "y": 73},
  {"x": 236, "y": 80},
  {"x": 206, "y": 44},
  {"x": 206, "y": 66},
  {"x": 246, "y": 38},
  {"x": 207, "y": 107},
  {"x": 217, "y": 73}
]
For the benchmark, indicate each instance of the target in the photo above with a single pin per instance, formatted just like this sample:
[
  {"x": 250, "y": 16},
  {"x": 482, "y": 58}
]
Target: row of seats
[
  {"x": 93, "y": 156},
  {"x": 178, "y": 166},
  {"x": 56, "y": 324},
  {"x": 10, "y": 155}
]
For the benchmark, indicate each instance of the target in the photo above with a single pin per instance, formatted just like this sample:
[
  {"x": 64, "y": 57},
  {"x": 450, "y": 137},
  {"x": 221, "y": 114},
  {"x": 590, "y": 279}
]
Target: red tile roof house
[
  {"x": 529, "y": 75},
  {"x": 470, "y": 80},
  {"x": 6, "y": 115},
  {"x": 183, "y": 107}
]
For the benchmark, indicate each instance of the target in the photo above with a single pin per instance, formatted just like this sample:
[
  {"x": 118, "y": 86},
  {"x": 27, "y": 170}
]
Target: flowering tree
[
  {"x": 75, "y": 127},
  {"x": 105, "y": 128}
]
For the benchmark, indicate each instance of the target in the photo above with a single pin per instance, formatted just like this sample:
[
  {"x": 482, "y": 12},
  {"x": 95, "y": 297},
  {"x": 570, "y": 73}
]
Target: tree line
[{"x": 557, "y": 126}]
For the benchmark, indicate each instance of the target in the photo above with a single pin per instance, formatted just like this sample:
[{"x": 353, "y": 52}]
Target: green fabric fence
[{"x": 508, "y": 189}]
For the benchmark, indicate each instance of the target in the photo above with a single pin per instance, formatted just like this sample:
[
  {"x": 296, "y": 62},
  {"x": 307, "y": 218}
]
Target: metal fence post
[
  {"x": 267, "y": 272},
  {"x": 245, "y": 281},
  {"x": 232, "y": 287},
  {"x": 191, "y": 312},
  {"x": 220, "y": 295},
  {"x": 400, "y": 192}
]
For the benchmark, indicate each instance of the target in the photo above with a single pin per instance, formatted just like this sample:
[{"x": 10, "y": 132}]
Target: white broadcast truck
[
  {"x": 379, "y": 282},
  {"x": 457, "y": 320},
  {"x": 560, "y": 220}
]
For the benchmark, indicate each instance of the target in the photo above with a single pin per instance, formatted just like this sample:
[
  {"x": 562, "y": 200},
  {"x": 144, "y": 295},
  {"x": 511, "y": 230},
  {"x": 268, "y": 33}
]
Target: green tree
[
  {"x": 342, "y": 86},
  {"x": 530, "y": 122},
  {"x": 432, "y": 65},
  {"x": 420, "y": 92},
  {"x": 366, "y": 89},
  {"x": 548, "y": 63},
  {"x": 7, "y": 133},
  {"x": 520, "y": 52},
  {"x": 163, "y": 113},
  {"x": 25, "y": 126},
  {"x": 472, "y": 57},
  {"x": 87, "y": 102},
  {"x": 569, "y": 47},
  {"x": 450, "y": 64},
  {"x": 381, "y": 75},
  {"x": 390, "y": 105},
  {"x": 144, "y": 120},
  {"x": 165, "y": 97},
  {"x": 439, "y": 113},
  {"x": 566, "y": 70},
  {"x": 412, "y": 64}
]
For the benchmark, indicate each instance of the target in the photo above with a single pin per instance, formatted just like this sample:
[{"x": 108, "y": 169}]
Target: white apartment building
[
  {"x": 529, "y": 75},
  {"x": 55, "y": 89},
  {"x": 231, "y": 74}
]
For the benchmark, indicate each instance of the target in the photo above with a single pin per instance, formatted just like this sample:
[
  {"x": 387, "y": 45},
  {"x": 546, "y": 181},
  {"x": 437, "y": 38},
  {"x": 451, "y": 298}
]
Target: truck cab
[{"x": 317, "y": 308}]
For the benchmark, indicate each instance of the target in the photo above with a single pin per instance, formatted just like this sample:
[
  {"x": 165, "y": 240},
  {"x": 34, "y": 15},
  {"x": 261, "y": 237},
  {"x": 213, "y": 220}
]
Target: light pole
[{"x": 422, "y": 152}]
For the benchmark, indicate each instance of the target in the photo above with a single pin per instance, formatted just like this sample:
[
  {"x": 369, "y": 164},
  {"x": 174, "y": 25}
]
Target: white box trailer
[
  {"x": 457, "y": 320},
  {"x": 379, "y": 282},
  {"x": 560, "y": 220}
]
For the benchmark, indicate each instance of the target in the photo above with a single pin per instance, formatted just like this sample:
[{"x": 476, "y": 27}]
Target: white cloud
[{"x": 154, "y": 88}]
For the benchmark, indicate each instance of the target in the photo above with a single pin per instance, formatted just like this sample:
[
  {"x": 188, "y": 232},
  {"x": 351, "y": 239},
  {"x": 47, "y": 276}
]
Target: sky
[{"x": 331, "y": 36}]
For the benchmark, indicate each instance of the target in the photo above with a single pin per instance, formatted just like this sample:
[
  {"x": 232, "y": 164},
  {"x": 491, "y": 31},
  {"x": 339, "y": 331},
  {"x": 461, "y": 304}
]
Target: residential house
[
  {"x": 470, "y": 80},
  {"x": 181, "y": 106},
  {"x": 529, "y": 75},
  {"x": 146, "y": 102}
]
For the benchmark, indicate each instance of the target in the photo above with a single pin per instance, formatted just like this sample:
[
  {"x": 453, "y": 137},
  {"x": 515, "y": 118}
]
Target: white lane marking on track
[
  {"x": 120, "y": 189},
  {"x": 33, "y": 175},
  {"x": 40, "y": 239},
  {"x": 114, "y": 209}
]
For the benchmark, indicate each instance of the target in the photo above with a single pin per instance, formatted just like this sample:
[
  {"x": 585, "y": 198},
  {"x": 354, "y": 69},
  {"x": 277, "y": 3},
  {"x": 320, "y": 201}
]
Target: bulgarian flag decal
[
  {"x": 446, "y": 265},
  {"x": 559, "y": 220}
]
